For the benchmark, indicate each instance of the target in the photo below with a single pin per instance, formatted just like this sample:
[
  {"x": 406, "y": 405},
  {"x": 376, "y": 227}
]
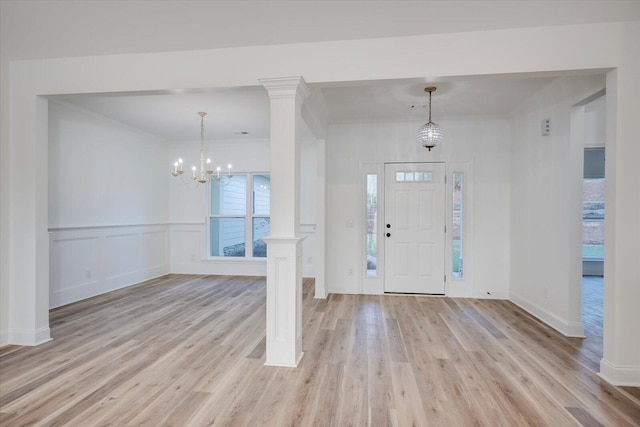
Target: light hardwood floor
[{"x": 189, "y": 351}]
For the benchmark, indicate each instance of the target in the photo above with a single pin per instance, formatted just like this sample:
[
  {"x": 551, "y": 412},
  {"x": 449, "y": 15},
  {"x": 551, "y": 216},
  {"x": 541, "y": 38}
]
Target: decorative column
[{"x": 284, "y": 245}]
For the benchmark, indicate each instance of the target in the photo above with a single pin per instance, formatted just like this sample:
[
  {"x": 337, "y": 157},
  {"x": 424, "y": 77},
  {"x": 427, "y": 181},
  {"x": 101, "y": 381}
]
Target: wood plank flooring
[{"x": 187, "y": 350}]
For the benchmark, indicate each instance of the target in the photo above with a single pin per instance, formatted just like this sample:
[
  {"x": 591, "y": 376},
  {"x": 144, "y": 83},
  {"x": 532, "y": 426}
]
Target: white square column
[{"x": 284, "y": 260}]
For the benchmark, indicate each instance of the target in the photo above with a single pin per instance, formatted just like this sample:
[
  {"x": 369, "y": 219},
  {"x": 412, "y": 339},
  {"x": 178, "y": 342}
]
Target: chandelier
[
  {"x": 206, "y": 174},
  {"x": 430, "y": 134}
]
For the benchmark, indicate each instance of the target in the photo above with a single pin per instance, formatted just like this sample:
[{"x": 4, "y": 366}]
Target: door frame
[{"x": 459, "y": 287}]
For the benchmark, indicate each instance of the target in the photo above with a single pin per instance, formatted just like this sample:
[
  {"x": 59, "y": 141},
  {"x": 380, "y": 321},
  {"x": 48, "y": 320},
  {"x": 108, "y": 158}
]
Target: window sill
[{"x": 219, "y": 259}]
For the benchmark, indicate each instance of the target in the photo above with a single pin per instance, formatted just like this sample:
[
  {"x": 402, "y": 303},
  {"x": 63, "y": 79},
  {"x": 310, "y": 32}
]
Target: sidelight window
[
  {"x": 457, "y": 222},
  {"x": 372, "y": 225}
]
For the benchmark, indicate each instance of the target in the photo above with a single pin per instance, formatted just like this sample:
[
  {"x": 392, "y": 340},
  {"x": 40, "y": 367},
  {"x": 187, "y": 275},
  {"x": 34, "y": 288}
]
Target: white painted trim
[
  {"x": 307, "y": 228},
  {"x": 464, "y": 287},
  {"x": 200, "y": 263},
  {"x": 319, "y": 246},
  {"x": 286, "y": 365},
  {"x": 370, "y": 285},
  {"x": 569, "y": 329},
  {"x": 493, "y": 295},
  {"x": 69, "y": 259},
  {"x": 4, "y": 337},
  {"x": 626, "y": 376},
  {"x": 100, "y": 227},
  {"x": 29, "y": 337}
]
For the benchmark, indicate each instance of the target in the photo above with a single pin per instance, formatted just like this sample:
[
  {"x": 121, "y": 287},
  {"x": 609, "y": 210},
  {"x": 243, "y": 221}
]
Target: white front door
[{"x": 414, "y": 228}]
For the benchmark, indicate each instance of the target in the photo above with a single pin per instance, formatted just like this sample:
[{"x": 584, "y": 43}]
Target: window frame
[
  {"x": 592, "y": 219},
  {"x": 458, "y": 275},
  {"x": 248, "y": 217},
  {"x": 373, "y": 274}
]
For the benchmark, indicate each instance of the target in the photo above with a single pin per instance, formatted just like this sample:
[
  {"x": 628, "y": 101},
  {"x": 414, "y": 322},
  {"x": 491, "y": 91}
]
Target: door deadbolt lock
[{"x": 388, "y": 225}]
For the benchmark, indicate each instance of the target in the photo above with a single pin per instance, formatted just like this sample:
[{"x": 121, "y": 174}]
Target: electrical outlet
[{"x": 545, "y": 127}]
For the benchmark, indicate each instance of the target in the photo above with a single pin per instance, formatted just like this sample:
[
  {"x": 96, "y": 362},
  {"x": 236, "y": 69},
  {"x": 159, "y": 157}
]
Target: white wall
[
  {"x": 93, "y": 260},
  {"x": 478, "y": 147},
  {"x": 108, "y": 205},
  {"x": 546, "y": 204},
  {"x": 189, "y": 210},
  {"x": 595, "y": 123},
  {"x": 25, "y": 255},
  {"x": 308, "y": 204}
]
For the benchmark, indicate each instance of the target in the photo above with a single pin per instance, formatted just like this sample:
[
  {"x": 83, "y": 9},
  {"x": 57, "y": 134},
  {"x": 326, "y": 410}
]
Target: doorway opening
[{"x": 593, "y": 215}]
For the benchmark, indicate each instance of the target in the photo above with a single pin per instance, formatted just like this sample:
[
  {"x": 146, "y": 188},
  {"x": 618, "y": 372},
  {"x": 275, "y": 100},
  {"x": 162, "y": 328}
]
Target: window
[
  {"x": 593, "y": 204},
  {"x": 414, "y": 176},
  {"x": 372, "y": 225},
  {"x": 593, "y": 219},
  {"x": 260, "y": 226},
  {"x": 231, "y": 230},
  {"x": 457, "y": 229}
]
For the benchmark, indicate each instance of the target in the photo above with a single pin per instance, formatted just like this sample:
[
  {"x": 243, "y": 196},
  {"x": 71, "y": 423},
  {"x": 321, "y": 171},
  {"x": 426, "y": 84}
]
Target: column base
[
  {"x": 284, "y": 301},
  {"x": 286, "y": 365}
]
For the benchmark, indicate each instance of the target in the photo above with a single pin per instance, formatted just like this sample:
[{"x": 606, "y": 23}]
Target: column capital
[{"x": 286, "y": 87}]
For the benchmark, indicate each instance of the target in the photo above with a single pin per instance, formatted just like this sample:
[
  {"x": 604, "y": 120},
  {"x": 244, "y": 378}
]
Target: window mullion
[{"x": 248, "y": 219}]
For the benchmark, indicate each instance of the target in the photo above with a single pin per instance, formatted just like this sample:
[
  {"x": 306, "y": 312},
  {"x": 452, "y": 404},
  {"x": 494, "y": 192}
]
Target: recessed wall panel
[
  {"x": 153, "y": 247},
  {"x": 121, "y": 255},
  {"x": 74, "y": 263}
]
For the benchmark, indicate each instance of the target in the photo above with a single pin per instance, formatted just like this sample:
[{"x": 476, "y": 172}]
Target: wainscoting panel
[
  {"x": 121, "y": 255},
  {"x": 90, "y": 261},
  {"x": 189, "y": 255}
]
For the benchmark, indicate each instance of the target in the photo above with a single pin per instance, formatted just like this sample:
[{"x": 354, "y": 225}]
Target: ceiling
[
  {"x": 232, "y": 111},
  {"x": 50, "y": 28},
  {"x": 174, "y": 116}
]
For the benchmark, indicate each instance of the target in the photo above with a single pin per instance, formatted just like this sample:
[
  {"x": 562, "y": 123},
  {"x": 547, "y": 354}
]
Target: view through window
[
  {"x": 593, "y": 219},
  {"x": 457, "y": 222},
  {"x": 231, "y": 230},
  {"x": 372, "y": 225}
]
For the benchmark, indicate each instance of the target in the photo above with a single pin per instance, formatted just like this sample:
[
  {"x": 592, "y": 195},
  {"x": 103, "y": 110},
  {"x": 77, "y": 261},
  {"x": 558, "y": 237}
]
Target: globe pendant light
[{"x": 430, "y": 134}]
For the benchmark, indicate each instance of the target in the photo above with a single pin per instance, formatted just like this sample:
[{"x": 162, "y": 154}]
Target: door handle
[{"x": 388, "y": 234}]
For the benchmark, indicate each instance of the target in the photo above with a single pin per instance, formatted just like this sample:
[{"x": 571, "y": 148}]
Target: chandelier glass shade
[
  {"x": 430, "y": 134},
  {"x": 206, "y": 174}
]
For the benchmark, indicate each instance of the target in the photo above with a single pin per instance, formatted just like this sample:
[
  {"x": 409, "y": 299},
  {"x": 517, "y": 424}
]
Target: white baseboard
[
  {"x": 569, "y": 329},
  {"x": 493, "y": 295},
  {"x": 626, "y": 376},
  {"x": 285, "y": 365},
  {"x": 321, "y": 293},
  {"x": 222, "y": 267},
  {"x": 4, "y": 337},
  {"x": 90, "y": 261},
  {"x": 30, "y": 337}
]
